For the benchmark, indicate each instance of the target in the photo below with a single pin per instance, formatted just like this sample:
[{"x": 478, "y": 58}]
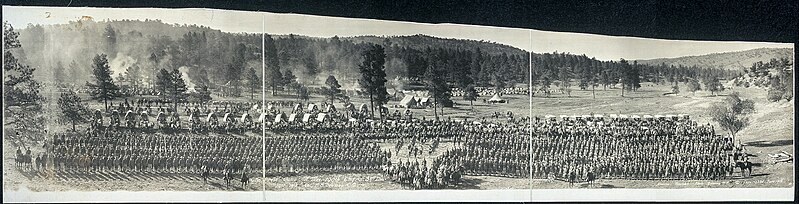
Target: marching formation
[
  {"x": 671, "y": 147},
  {"x": 309, "y": 140},
  {"x": 315, "y": 153},
  {"x": 133, "y": 151}
]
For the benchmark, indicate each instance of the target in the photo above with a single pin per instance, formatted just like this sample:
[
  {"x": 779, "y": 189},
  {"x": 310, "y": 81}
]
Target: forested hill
[
  {"x": 421, "y": 42},
  {"x": 209, "y": 56},
  {"x": 727, "y": 60}
]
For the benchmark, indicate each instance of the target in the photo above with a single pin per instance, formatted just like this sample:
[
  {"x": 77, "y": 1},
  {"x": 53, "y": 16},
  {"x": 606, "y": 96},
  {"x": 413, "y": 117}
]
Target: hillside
[
  {"x": 726, "y": 60},
  {"x": 421, "y": 42},
  {"x": 209, "y": 54}
]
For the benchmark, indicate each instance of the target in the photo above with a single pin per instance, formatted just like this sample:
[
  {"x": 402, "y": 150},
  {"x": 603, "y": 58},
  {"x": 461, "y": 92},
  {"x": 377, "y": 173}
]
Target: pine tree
[
  {"x": 253, "y": 82},
  {"x": 20, "y": 90},
  {"x": 333, "y": 89},
  {"x": 72, "y": 109},
  {"x": 693, "y": 85},
  {"x": 565, "y": 76},
  {"x": 289, "y": 80},
  {"x": 103, "y": 89},
  {"x": 471, "y": 95},
  {"x": 373, "y": 75},
  {"x": 133, "y": 76},
  {"x": 163, "y": 82},
  {"x": 178, "y": 88},
  {"x": 438, "y": 88},
  {"x": 272, "y": 64}
]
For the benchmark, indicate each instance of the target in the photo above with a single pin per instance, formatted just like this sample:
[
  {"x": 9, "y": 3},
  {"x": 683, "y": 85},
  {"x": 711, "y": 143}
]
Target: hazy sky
[{"x": 601, "y": 47}]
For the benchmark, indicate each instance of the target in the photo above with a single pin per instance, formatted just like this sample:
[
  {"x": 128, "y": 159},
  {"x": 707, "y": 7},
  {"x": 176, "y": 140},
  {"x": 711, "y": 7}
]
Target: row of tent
[
  {"x": 622, "y": 116},
  {"x": 413, "y": 102}
]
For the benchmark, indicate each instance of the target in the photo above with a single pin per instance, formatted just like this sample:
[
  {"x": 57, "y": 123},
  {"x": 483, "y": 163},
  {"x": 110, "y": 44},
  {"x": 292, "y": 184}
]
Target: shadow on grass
[
  {"x": 598, "y": 185},
  {"x": 775, "y": 143},
  {"x": 469, "y": 183}
]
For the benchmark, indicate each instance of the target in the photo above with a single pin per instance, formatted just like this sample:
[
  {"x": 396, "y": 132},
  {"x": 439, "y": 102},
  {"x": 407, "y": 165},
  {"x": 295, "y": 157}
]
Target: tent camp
[
  {"x": 210, "y": 117},
  {"x": 312, "y": 107},
  {"x": 496, "y": 99},
  {"x": 226, "y": 118},
  {"x": 408, "y": 102},
  {"x": 278, "y": 117},
  {"x": 424, "y": 101},
  {"x": 321, "y": 117},
  {"x": 306, "y": 117},
  {"x": 330, "y": 108},
  {"x": 245, "y": 118}
]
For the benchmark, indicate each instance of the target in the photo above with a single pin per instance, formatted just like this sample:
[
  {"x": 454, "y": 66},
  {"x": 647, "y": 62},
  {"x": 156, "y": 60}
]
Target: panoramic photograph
[
  {"x": 98, "y": 100},
  {"x": 256, "y": 103},
  {"x": 104, "y": 100},
  {"x": 380, "y": 105},
  {"x": 623, "y": 112}
]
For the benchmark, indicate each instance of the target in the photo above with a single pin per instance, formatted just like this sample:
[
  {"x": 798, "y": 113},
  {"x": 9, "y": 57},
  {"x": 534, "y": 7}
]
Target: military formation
[
  {"x": 311, "y": 139},
  {"x": 582, "y": 148}
]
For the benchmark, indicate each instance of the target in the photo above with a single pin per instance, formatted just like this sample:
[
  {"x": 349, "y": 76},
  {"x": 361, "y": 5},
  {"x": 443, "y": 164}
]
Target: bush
[{"x": 776, "y": 95}]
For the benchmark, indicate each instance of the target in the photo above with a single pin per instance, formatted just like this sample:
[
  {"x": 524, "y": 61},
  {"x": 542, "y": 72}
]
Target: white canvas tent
[
  {"x": 424, "y": 101},
  {"x": 496, "y": 99},
  {"x": 306, "y": 117},
  {"x": 210, "y": 117},
  {"x": 312, "y": 107},
  {"x": 292, "y": 117},
  {"x": 226, "y": 118},
  {"x": 321, "y": 117},
  {"x": 408, "y": 102},
  {"x": 245, "y": 117}
]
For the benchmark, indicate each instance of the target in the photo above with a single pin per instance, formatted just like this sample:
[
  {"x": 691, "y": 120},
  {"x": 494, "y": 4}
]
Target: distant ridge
[{"x": 725, "y": 60}]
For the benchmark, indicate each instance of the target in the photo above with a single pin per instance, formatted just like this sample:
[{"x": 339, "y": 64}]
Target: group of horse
[{"x": 227, "y": 176}]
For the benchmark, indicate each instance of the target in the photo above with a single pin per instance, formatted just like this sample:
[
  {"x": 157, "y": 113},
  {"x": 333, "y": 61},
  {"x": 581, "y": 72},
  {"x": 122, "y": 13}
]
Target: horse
[
  {"x": 572, "y": 178},
  {"x": 591, "y": 178},
  {"x": 744, "y": 165},
  {"x": 40, "y": 162},
  {"x": 245, "y": 180},
  {"x": 227, "y": 176},
  {"x": 205, "y": 173},
  {"x": 23, "y": 160}
]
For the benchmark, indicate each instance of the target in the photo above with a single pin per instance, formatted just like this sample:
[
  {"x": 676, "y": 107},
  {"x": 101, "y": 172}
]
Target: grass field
[{"x": 770, "y": 131}]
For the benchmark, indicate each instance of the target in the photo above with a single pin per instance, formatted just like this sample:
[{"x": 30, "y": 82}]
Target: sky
[{"x": 599, "y": 46}]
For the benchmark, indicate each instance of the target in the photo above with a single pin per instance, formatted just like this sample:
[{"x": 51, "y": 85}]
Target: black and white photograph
[
  {"x": 201, "y": 104},
  {"x": 383, "y": 105},
  {"x": 623, "y": 112},
  {"x": 368, "y": 105},
  {"x": 101, "y": 99}
]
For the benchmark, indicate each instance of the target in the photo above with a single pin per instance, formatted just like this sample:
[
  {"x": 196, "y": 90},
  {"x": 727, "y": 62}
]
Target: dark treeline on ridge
[{"x": 212, "y": 58}]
